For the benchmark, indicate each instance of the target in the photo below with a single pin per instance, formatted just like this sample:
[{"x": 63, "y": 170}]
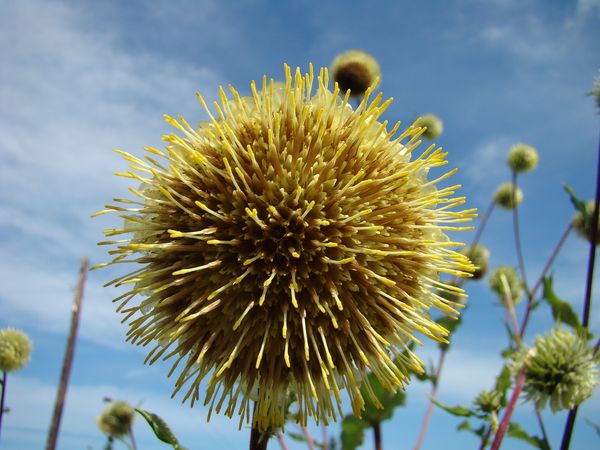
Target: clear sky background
[{"x": 79, "y": 78}]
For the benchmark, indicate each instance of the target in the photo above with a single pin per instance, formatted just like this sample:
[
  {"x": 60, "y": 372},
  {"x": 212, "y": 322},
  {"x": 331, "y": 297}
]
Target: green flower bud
[
  {"x": 434, "y": 126},
  {"x": 356, "y": 71},
  {"x": 596, "y": 91},
  {"x": 522, "y": 158},
  {"x": 582, "y": 223},
  {"x": 561, "y": 370},
  {"x": 15, "y": 349},
  {"x": 480, "y": 257},
  {"x": 489, "y": 401},
  {"x": 116, "y": 420},
  {"x": 505, "y": 282},
  {"x": 507, "y": 197}
]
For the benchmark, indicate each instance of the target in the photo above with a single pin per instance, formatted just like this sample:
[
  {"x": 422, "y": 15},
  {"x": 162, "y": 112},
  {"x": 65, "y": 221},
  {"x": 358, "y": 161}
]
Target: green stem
[
  {"x": 2, "y": 397},
  {"x": 567, "y": 434}
]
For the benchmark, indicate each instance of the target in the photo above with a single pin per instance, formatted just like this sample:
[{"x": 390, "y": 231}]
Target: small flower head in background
[
  {"x": 522, "y": 158},
  {"x": 433, "y": 124},
  {"x": 288, "y": 246},
  {"x": 356, "y": 71},
  {"x": 596, "y": 91},
  {"x": 489, "y": 401},
  {"x": 582, "y": 223},
  {"x": 507, "y": 197},
  {"x": 15, "y": 349},
  {"x": 480, "y": 257},
  {"x": 116, "y": 420},
  {"x": 505, "y": 282},
  {"x": 561, "y": 370}
]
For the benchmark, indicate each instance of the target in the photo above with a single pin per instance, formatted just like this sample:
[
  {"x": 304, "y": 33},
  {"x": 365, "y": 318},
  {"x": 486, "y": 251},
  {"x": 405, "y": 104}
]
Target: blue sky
[{"x": 78, "y": 79}]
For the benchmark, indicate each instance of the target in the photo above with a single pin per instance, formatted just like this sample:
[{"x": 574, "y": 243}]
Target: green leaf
[
  {"x": 596, "y": 427},
  {"x": 516, "y": 431},
  {"x": 388, "y": 400},
  {"x": 460, "y": 411},
  {"x": 562, "y": 311},
  {"x": 160, "y": 428},
  {"x": 577, "y": 203},
  {"x": 466, "y": 425},
  {"x": 504, "y": 380},
  {"x": 353, "y": 432}
]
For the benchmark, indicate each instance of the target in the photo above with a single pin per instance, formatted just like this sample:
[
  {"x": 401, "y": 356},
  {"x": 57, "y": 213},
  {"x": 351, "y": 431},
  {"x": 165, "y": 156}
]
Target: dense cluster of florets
[
  {"x": 116, "y": 420},
  {"x": 505, "y": 282},
  {"x": 522, "y": 158},
  {"x": 508, "y": 196},
  {"x": 355, "y": 71},
  {"x": 15, "y": 349}
]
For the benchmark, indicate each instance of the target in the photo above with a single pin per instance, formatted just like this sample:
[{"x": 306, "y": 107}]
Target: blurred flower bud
[
  {"x": 522, "y": 158},
  {"x": 507, "y": 197}
]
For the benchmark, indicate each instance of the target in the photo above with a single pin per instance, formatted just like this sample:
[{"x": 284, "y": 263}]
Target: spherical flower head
[
  {"x": 15, "y": 349},
  {"x": 561, "y": 370},
  {"x": 356, "y": 71},
  {"x": 505, "y": 282},
  {"x": 582, "y": 223},
  {"x": 289, "y": 246},
  {"x": 522, "y": 158},
  {"x": 116, "y": 420},
  {"x": 480, "y": 257},
  {"x": 489, "y": 401},
  {"x": 507, "y": 196},
  {"x": 433, "y": 126}
]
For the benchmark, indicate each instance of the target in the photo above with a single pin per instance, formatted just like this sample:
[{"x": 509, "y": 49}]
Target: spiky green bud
[
  {"x": 15, "y": 349},
  {"x": 433, "y": 124},
  {"x": 582, "y": 223},
  {"x": 522, "y": 158},
  {"x": 507, "y": 196},
  {"x": 505, "y": 282},
  {"x": 480, "y": 257},
  {"x": 561, "y": 370},
  {"x": 489, "y": 401},
  {"x": 116, "y": 420}
]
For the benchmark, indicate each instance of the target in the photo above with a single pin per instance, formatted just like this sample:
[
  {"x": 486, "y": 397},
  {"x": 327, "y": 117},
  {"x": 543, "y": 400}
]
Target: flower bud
[
  {"x": 116, "y": 420},
  {"x": 434, "y": 126},
  {"x": 15, "y": 349},
  {"x": 356, "y": 71},
  {"x": 507, "y": 197},
  {"x": 480, "y": 257},
  {"x": 582, "y": 223},
  {"x": 522, "y": 158},
  {"x": 489, "y": 401},
  {"x": 505, "y": 282}
]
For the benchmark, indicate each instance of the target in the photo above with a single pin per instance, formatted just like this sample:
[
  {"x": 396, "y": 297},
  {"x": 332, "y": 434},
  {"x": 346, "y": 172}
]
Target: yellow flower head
[
  {"x": 15, "y": 349},
  {"x": 356, "y": 71},
  {"x": 288, "y": 246}
]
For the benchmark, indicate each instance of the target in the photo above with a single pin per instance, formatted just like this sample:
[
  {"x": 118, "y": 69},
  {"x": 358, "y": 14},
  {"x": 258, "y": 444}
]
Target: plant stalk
[
  {"x": 2, "y": 397},
  {"x": 258, "y": 439},
  {"x": 68, "y": 361},
  {"x": 509, "y": 409},
  {"x": 377, "y": 435}
]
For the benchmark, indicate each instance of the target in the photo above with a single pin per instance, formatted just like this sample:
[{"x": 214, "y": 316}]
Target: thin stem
[
  {"x": 61, "y": 394},
  {"x": 325, "y": 446},
  {"x": 308, "y": 437},
  {"x": 377, "y": 435},
  {"x": 281, "y": 440},
  {"x": 486, "y": 438},
  {"x": 509, "y": 409},
  {"x": 133, "y": 444},
  {"x": 483, "y": 222},
  {"x": 432, "y": 396},
  {"x": 538, "y": 415},
  {"x": 517, "y": 232},
  {"x": 2, "y": 397},
  {"x": 258, "y": 439},
  {"x": 567, "y": 434}
]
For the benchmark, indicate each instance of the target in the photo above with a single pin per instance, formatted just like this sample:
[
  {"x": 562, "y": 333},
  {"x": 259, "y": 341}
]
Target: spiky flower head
[
  {"x": 288, "y": 246},
  {"x": 522, "y": 158},
  {"x": 582, "y": 223},
  {"x": 116, "y": 420},
  {"x": 355, "y": 70},
  {"x": 480, "y": 257},
  {"x": 433, "y": 126},
  {"x": 505, "y": 282},
  {"x": 507, "y": 196},
  {"x": 596, "y": 91},
  {"x": 15, "y": 349},
  {"x": 489, "y": 401},
  {"x": 561, "y": 370}
]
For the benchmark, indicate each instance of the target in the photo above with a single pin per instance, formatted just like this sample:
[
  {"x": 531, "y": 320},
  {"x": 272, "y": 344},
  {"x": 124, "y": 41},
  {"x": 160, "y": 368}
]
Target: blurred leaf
[
  {"x": 353, "y": 431},
  {"x": 466, "y": 425},
  {"x": 511, "y": 333},
  {"x": 516, "y": 431},
  {"x": 596, "y": 427},
  {"x": 296, "y": 436},
  {"x": 388, "y": 400},
  {"x": 460, "y": 411},
  {"x": 577, "y": 203},
  {"x": 160, "y": 428},
  {"x": 562, "y": 311},
  {"x": 451, "y": 324},
  {"x": 504, "y": 380}
]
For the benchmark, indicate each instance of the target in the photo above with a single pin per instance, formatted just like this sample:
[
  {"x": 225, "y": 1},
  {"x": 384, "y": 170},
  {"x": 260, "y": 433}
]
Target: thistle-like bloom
[
  {"x": 356, "y": 71},
  {"x": 489, "y": 401},
  {"x": 480, "y": 257},
  {"x": 116, "y": 420},
  {"x": 522, "y": 158},
  {"x": 507, "y": 197},
  {"x": 15, "y": 349},
  {"x": 561, "y": 370},
  {"x": 582, "y": 223},
  {"x": 288, "y": 246},
  {"x": 433, "y": 126},
  {"x": 505, "y": 282}
]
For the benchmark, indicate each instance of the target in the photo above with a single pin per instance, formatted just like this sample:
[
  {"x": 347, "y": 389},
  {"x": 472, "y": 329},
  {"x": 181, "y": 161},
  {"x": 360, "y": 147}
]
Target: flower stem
[
  {"x": 517, "y": 233},
  {"x": 133, "y": 444},
  {"x": 434, "y": 389},
  {"x": 281, "y": 440},
  {"x": 308, "y": 437},
  {"x": 566, "y": 440},
  {"x": 258, "y": 439},
  {"x": 377, "y": 435},
  {"x": 324, "y": 446},
  {"x": 483, "y": 222},
  {"x": 538, "y": 415},
  {"x": 2, "y": 397},
  {"x": 61, "y": 394},
  {"x": 509, "y": 409}
]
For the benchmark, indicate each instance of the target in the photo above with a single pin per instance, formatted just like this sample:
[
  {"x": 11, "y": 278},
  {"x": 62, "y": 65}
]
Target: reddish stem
[{"x": 509, "y": 409}]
